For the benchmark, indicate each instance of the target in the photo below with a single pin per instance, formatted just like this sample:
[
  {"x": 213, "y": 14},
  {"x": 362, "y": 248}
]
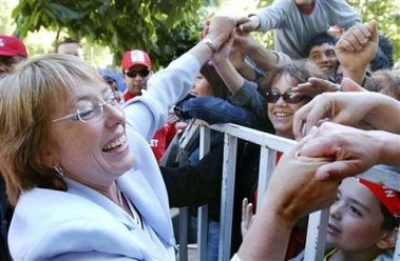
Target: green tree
[
  {"x": 165, "y": 29},
  {"x": 386, "y": 13}
]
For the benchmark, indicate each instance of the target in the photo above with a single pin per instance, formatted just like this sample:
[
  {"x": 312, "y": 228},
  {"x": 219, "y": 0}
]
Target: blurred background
[{"x": 164, "y": 28}]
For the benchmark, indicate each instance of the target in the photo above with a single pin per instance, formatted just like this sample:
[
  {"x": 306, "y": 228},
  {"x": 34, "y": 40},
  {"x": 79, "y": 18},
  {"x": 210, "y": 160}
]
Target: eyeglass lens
[
  {"x": 141, "y": 72},
  {"x": 91, "y": 112}
]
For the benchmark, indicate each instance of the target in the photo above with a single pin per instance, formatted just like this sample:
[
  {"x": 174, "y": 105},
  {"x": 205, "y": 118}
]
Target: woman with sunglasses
[
  {"x": 282, "y": 104},
  {"x": 281, "y": 107}
]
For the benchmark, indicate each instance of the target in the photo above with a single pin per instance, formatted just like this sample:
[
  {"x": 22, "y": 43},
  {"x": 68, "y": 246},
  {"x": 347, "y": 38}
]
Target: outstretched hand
[
  {"x": 293, "y": 183},
  {"x": 222, "y": 55},
  {"x": 348, "y": 108},
  {"x": 314, "y": 87},
  {"x": 352, "y": 150},
  {"x": 249, "y": 24},
  {"x": 359, "y": 43},
  {"x": 220, "y": 28}
]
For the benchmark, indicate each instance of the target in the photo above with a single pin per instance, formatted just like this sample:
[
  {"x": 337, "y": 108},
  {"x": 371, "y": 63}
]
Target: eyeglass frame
[
  {"x": 143, "y": 72},
  {"x": 113, "y": 101},
  {"x": 286, "y": 96}
]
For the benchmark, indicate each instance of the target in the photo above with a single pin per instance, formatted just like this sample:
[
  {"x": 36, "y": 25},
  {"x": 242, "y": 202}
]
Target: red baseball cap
[
  {"x": 135, "y": 57},
  {"x": 388, "y": 197},
  {"x": 12, "y": 46}
]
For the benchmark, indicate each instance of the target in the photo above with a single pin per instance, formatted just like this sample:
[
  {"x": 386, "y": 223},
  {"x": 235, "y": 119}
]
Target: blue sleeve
[
  {"x": 215, "y": 110},
  {"x": 249, "y": 98}
]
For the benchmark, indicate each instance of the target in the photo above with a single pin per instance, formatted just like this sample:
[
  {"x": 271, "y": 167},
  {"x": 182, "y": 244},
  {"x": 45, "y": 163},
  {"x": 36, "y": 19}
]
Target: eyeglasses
[
  {"x": 91, "y": 111},
  {"x": 273, "y": 96},
  {"x": 142, "y": 72}
]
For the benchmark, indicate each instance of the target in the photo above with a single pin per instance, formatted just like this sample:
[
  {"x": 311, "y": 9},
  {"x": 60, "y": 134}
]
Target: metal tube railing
[{"x": 269, "y": 145}]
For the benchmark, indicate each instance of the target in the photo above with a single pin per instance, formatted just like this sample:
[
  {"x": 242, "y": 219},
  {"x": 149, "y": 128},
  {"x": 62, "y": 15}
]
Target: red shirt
[
  {"x": 299, "y": 233},
  {"x": 307, "y": 9}
]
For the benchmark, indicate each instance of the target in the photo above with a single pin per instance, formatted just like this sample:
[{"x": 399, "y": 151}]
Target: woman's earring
[{"x": 59, "y": 170}]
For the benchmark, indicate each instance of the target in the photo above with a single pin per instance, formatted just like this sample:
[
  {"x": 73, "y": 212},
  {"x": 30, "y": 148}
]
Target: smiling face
[
  {"x": 325, "y": 58},
  {"x": 355, "y": 219},
  {"x": 281, "y": 113},
  {"x": 96, "y": 152},
  {"x": 201, "y": 87}
]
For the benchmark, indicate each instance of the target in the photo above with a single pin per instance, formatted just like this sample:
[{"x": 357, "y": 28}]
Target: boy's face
[
  {"x": 324, "y": 57},
  {"x": 355, "y": 218}
]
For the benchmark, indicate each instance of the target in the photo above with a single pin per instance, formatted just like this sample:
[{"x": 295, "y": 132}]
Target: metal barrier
[{"x": 269, "y": 144}]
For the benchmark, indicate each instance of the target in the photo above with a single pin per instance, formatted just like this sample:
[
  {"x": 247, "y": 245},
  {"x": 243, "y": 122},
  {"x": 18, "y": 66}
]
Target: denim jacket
[{"x": 247, "y": 107}]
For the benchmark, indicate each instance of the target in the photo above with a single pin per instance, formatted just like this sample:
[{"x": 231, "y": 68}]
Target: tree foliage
[
  {"x": 386, "y": 13},
  {"x": 165, "y": 29}
]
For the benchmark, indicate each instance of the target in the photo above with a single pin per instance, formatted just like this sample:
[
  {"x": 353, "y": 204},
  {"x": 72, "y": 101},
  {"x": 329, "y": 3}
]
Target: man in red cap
[
  {"x": 136, "y": 70},
  {"x": 12, "y": 51}
]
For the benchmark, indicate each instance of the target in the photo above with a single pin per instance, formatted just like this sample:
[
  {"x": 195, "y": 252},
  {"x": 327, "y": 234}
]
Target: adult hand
[
  {"x": 294, "y": 188},
  {"x": 352, "y": 150},
  {"x": 359, "y": 43},
  {"x": 244, "y": 42},
  {"x": 292, "y": 193},
  {"x": 222, "y": 55},
  {"x": 220, "y": 29},
  {"x": 375, "y": 110},
  {"x": 249, "y": 24},
  {"x": 314, "y": 87},
  {"x": 205, "y": 30}
]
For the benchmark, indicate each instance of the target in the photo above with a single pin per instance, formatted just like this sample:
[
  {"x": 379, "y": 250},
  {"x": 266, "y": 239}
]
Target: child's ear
[{"x": 388, "y": 239}]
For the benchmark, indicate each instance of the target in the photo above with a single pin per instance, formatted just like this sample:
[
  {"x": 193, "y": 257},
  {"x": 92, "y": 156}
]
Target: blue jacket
[
  {"x": 247, "y": 107},
  {"x": 82, "y": 224}
]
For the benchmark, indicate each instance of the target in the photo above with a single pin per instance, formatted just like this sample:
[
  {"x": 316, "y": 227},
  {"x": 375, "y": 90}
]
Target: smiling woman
[
  {"x": 77, "y": 171},
  {"x": 278, "y": 90}
]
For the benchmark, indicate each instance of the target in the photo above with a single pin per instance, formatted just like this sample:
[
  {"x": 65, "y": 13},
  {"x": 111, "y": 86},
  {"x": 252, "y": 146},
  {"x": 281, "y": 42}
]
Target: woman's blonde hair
[{"x": 39, "y": 88}]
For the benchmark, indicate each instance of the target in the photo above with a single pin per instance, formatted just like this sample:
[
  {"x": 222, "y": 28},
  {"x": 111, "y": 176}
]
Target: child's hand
[{"x": 247, "y": 216}]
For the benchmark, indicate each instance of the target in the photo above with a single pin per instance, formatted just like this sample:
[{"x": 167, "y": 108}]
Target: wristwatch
[{"x": 210, "y": 44}]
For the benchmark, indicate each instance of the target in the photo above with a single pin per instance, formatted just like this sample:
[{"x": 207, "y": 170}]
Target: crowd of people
[{"x": 80, "y": 173}]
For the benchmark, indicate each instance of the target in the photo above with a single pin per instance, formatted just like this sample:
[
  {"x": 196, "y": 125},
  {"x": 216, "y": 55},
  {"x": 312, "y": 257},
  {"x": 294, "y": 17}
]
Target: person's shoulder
[
  {"x": 49, "y": 205},
  {"x": 66, "y": 222},
  {"x": 277, "y": 5},
  {"x": 334, "y": 5},
  {"x": 385, "y": 256}
]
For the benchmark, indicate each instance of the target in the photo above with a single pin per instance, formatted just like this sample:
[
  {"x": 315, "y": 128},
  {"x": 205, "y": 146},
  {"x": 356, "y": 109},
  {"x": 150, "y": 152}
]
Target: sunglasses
[
  {"x": 273, "y": 96},
  {"x": 142, "y": 72}
]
